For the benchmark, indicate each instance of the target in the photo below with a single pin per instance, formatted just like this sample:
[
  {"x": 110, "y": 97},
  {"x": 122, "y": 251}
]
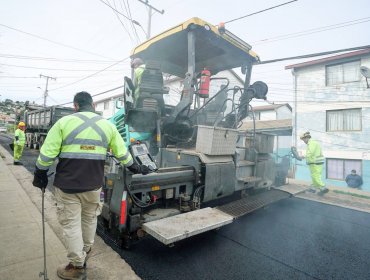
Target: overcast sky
[{"x": 74, "y": 39}]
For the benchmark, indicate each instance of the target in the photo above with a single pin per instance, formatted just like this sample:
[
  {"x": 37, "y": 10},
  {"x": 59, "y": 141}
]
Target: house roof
[
  {"x": 236, "y": 76},
  {"x": 329, "y": 59},
  {"x": 109, "y": 98},
  {"x": 275, "y": 127},
  {"x": 270, "y": 107}
]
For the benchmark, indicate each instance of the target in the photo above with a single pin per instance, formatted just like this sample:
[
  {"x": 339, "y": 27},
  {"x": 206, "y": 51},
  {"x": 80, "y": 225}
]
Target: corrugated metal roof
[
  {"x": 270, "y": 107},
  {"x": 328, "y": 59},
  {"x": 275, "y": 127}
]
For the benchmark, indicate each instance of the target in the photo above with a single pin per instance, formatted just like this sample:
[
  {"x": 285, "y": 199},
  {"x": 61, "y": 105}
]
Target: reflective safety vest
[
  {"x": 80, "y": 141},
  {"x": 314, "y": 153},
  {"x": 137, "y": 79},
  {"x": 19, "y": 133}
]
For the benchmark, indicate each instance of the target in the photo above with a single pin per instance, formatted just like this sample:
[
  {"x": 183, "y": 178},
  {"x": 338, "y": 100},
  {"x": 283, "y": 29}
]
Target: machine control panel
[{"x": 141, "y": 154}]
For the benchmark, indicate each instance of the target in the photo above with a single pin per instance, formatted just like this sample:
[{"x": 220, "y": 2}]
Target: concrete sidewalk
[
  {"x": 354, "y": 199},
  {"x": 21, "y": 255}
]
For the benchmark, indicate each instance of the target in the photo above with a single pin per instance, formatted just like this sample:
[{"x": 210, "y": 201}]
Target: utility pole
[
  {"x": 46, "y": 87},
  {"x": 146, "y": 2}
]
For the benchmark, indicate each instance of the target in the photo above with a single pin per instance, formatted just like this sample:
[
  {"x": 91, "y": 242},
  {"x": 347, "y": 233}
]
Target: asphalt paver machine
[{"x": 197, "y": 153}]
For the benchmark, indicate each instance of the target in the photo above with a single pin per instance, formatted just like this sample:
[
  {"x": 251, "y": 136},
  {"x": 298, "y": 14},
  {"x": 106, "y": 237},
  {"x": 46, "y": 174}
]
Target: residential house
[
  {"x": 108, "y": 106},
  {"x": 332, "y": 101},
  {"x": 268, "y": 114}
]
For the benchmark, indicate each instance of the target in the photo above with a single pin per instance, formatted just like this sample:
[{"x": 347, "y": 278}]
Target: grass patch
[{"x": 352, "y": 194}]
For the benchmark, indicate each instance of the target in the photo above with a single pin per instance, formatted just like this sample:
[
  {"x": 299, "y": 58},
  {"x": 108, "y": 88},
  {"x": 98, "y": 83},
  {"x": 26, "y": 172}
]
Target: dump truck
[
  {"x": 198, "y": 156},
  {"x": 39, "y": 121}
]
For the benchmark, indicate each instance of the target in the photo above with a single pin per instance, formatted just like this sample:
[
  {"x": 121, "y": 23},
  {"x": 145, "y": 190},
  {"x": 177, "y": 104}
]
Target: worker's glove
[
  {"x": 40, "y": 179},
  {"x": 17, "y": 142},
  {"x": 138, "y": 169}
]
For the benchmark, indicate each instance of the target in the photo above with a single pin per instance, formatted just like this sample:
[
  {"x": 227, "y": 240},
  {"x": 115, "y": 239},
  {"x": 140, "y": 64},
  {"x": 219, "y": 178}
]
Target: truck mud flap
[{"x": 249, "y": 204}]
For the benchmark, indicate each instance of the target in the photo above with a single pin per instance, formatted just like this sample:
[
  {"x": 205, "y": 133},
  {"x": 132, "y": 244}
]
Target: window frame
[
  {"x": 344, "y": 168},
  {"x": 342, "y": 110},
  {"x": 342, "y": 73}
]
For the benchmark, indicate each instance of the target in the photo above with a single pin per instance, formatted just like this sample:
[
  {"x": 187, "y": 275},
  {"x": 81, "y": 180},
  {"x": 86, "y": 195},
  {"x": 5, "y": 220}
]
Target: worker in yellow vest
[
  {"x": 315, "y": 161},
  {"x": 80, "y": 141},
  {"x": 138, "y": 65},
  {"x": 19, "y": 141}
]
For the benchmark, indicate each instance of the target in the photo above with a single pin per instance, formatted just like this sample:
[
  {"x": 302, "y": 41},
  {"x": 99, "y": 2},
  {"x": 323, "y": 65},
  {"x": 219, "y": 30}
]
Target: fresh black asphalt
[{"x": 290, "y": 239}]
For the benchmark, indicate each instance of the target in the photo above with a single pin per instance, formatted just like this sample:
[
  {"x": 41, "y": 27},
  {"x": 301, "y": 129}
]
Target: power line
[
  {"x": 54, "y": 59},
  {"x": 146, "y": 3},
  {"x": 89, "y": 76},
  {"x": 46, "y": 86},
  {"x": 335, "y": 144},
  {"x": 54, "y": 42},
  {"x": 19, "y": 77},
  {"x": 58, "y": 69},
  {"x": 128, "y": 11},
  {"x": 100, "y": 93},
  {"x": 324, "y": 91},
  {"x": 264, "y": 10},
  {"x": 126, "y": 17},
  {"x": 123, "y": 25},
  {"x": 311, "y": 31},
  {"x": 313, "y": 54}
]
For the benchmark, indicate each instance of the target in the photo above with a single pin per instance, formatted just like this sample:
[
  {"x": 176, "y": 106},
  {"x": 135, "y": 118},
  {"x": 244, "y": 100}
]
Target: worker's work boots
[
  {"x": 71, "y": 272},
  {"x": 323, "y": 191},
  {"x": 88, "y": 255}
]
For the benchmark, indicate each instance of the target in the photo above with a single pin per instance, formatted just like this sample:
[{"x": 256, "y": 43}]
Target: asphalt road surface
[{"x": 291, "y": 239}]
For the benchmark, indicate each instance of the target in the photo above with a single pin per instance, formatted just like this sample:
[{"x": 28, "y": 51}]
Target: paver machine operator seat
[
  {"x": 149, "y": 106},
  {"x": 151, "y": 88}
]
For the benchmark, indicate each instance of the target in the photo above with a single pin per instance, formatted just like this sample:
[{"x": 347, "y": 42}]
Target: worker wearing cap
[
  {"x": 80, "y": 141},
  {"x": 19, "y": 141},
  {"x": 137, "y": 64},
  {"x": 315, "y": 161}
]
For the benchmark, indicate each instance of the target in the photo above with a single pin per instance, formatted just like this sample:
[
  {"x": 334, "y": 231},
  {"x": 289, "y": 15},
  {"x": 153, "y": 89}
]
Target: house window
[
  {"x": 338, "y": 169},
  {"x": 106, "y": 105},
  {"x": 343, "y": 73},
  {"x": 343, "y": 120}
]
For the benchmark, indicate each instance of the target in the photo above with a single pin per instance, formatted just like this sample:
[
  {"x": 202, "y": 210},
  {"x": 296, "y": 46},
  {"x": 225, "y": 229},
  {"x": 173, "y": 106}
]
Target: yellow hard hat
[{"x": 21, "y": 124}]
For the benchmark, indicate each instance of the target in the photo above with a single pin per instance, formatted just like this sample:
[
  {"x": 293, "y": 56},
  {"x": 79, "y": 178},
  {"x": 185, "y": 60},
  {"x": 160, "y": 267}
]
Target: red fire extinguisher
[{"x": 205, "y": 78}]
